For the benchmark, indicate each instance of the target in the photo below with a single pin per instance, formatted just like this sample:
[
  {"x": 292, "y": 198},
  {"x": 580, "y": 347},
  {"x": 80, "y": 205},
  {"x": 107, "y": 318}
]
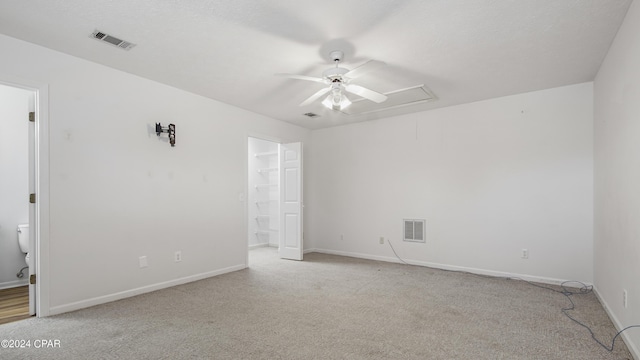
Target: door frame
[
  {"x": 41, "y": 153},
  {"x": 259, "y": 136}
]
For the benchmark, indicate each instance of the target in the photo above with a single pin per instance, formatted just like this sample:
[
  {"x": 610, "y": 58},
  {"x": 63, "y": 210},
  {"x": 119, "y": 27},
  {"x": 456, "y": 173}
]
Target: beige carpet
[{"x": 328, "y": 307}]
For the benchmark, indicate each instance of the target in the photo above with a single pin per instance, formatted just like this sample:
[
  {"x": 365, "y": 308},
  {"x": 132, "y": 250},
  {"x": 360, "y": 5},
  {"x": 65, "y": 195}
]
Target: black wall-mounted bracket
[{"x": 171, "y": 130}]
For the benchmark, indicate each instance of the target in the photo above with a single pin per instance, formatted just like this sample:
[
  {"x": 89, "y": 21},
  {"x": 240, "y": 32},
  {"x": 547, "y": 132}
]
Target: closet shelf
[
  {"x": 264, "y": 186},
  {"x": 267, "y": 170},
  {"x": 265, "y": 232},
  {"x": 270, "y": 153}
]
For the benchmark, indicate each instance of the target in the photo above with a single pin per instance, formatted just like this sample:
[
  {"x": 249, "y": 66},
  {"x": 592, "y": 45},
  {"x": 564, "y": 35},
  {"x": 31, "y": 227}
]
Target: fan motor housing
[{"x": 334, "y": 73}]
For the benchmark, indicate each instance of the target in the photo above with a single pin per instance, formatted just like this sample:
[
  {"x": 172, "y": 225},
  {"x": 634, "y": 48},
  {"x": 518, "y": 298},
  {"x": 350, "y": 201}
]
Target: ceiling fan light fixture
[
  {"x": 328, "y": 102},
  {"x": 336, "y": 100},
  {"x": 345, "y": 102}
]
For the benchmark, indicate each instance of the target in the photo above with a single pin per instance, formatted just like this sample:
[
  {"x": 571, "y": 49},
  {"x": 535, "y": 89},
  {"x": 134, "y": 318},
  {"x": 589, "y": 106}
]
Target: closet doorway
[{"x": 274, "y": 197}]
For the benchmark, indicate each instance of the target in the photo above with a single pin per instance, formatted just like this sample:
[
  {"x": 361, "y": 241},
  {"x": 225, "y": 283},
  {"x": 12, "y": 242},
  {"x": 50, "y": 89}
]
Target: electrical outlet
[
  {"x": 177, "y": 257},
  {"x": 143, "y": 262},
  {"x": 624, "y": 298},
  {"x": 381, "y": 240},
  {"x": 524, "y": 254},
  {"x": 341, "y": 237}
]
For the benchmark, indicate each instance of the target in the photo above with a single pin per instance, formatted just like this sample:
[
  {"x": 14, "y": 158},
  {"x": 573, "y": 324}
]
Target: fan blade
[
  {"x": 302, "y": 77},
  {"x": 369, "y": 66},
  {"x": 366, "y": 93},
  {"x": 315, "y": 96}
]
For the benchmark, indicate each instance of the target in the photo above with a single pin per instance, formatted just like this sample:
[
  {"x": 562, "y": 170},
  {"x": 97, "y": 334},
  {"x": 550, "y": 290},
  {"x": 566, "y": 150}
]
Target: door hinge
[
  {"x": 32, "y": 116},
  {"x": 32, "y": 279},
  {"x": 32, "y": 198}
]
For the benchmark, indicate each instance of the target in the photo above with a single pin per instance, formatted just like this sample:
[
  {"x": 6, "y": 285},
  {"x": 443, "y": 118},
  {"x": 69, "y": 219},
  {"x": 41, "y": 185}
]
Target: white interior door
[
  {"x": 33, "y": 226},
  {"x": 290, "y": 241}
]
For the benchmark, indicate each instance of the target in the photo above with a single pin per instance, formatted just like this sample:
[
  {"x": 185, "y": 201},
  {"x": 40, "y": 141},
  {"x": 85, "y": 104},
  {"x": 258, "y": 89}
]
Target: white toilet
[{"x": 23, "y": 240}]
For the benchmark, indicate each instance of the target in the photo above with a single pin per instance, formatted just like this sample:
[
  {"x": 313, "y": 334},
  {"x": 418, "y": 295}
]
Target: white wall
[
  {"x": 118, "y": 192},
  {"x": 14, "y": 181},
  {"x": 617, "y": 178},
  {"x": 490, "y": 178}
]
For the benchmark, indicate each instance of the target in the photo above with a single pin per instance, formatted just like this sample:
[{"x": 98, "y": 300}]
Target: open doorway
[
  {"x": 17, "y": 216},
  {"x": 274, "y": 198},
  {"x": 263, "y": 196}
]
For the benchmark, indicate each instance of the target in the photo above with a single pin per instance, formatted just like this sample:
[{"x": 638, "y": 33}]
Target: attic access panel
[{"x": 399, "y": 98}]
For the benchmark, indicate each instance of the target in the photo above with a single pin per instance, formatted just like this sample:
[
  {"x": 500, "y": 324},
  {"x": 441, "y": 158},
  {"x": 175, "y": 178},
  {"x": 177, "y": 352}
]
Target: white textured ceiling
[{"x": 463, "y": 50}]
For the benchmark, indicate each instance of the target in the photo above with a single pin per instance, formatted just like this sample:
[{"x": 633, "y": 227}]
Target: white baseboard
[
  {"x": 633, "y": 348},
  {"x": 538, "y": 279},
  {"x": 138, "y": 291},
  {"x": 14, "y": 283}
]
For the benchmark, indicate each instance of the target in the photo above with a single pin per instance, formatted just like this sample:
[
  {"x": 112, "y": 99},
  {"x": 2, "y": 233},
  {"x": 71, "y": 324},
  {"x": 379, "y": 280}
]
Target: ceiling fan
[{"x": 338, "y": 80}]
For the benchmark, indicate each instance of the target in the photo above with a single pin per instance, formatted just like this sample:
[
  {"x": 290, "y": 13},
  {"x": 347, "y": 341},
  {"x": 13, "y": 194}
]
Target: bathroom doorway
[
  {"x": 24, "y": 175},
  {"x": 274, "y": 197},
  {"x": 16, "y": 176}
]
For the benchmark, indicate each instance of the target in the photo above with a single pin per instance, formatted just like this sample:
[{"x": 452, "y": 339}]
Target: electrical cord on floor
[
  {"x": 394, "y": 251},
  {"x": 583, "y": 289}
]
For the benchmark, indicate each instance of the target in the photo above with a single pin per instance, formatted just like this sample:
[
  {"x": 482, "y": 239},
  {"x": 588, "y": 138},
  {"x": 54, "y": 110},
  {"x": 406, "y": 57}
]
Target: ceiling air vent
[
  {"x": 414, "y": 230},
  {"x": 101, "y": 36}
]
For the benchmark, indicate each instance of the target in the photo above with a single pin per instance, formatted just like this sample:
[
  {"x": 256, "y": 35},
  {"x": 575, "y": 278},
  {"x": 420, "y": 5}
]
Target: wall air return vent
[
  {"x": 112, "y": 40},
  {"x": 414, "y": 95},
  {"x": 414, "y": 230}
]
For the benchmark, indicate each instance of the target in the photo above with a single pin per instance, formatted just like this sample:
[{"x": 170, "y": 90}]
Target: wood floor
[{"x": 14, "y": 304}]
